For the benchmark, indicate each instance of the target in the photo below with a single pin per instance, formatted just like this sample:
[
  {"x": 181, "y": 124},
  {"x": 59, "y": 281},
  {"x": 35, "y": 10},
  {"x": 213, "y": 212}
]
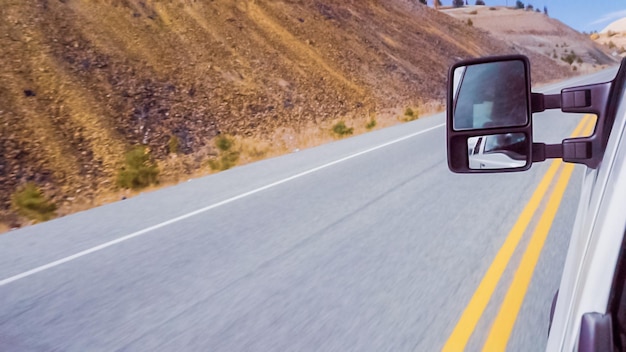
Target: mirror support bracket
[
  {"x": 542, "y": 151},
  {"x": 541, "y": 102}
]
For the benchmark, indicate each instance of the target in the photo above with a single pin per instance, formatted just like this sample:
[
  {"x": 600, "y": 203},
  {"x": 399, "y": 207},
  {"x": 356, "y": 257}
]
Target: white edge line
[{"x": 202, "y": 210}]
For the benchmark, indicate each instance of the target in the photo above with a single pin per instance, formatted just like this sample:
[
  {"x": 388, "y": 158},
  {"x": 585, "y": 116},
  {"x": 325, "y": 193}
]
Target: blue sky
[{"x": 582, "y": 15}]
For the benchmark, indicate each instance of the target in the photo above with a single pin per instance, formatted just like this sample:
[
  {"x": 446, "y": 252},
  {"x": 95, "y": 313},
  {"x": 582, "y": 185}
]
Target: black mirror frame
[{"x": 458, "y": 158}]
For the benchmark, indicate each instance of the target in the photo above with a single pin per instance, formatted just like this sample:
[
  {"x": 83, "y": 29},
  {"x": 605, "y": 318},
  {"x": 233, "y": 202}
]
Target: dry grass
[
  {"x": 4, "y": 228},
  {"x": 182, "y": 168}
]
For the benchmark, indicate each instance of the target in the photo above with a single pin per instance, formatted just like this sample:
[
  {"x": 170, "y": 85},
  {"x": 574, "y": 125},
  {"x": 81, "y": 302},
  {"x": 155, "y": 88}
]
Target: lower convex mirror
[{"x": 498, "y": 151}]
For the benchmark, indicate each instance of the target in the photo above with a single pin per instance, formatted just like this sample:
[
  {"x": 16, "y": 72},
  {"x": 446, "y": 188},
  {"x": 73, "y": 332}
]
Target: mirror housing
[{"x": 489, "y": 99}]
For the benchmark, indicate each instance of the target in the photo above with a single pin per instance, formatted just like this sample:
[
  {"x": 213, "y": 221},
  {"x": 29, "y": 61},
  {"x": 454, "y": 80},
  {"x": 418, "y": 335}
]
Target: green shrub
[
  {"x": 173, "y": 145},
  {"x": 410, "y": 115},
  {"x": 371, "y": 124},
  {"x": 139, "y": 171},
  {"x": 224, "y": 143},
  {"x": 227, "y": 157},
  {"x": 30, "y": 202},
  {"x": 570, "y": 58},
  {"x": 225, "y": 161},
  {"x": 341, "y": 129}
]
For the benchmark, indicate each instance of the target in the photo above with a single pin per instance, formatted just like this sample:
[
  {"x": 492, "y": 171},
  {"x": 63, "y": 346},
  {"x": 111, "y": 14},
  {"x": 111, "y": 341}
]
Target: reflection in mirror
[
  {"x": 497, "y": 151},
  {"x": 488, "y": 95},
  {"x": 458, "y": 74}
]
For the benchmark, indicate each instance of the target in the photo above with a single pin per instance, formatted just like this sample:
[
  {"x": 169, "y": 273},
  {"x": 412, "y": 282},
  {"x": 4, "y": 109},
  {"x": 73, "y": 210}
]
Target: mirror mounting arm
[
  {"x": 541, "y": 102},
  {"x": 589, "y": 99},
  {"x": 542, "y": 151}
]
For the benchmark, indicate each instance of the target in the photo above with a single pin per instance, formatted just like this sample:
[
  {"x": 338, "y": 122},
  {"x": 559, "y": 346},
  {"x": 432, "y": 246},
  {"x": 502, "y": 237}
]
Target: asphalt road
[{"x": 365, "y": 244}]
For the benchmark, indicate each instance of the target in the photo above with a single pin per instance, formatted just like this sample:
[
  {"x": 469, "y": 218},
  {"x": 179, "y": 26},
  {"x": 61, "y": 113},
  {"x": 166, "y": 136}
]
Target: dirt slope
[{"x": 84, "y": 80}]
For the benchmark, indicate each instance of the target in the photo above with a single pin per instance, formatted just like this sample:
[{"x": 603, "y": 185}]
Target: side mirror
[{"x": 489, "y": 115}]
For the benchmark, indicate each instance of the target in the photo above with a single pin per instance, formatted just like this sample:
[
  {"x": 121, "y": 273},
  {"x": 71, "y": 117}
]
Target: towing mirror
[{"x": 489, "y": 115}]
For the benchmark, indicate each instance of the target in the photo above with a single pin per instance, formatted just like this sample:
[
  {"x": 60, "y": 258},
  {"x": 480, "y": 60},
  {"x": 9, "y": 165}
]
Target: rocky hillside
[{"x": 85, "y": 80}]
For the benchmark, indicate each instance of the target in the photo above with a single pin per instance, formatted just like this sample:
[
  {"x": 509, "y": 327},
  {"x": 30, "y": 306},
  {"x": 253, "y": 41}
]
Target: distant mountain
[
  {"x": 618, "y": 26},
  {"x": 613, "y": 38},
  {"x": 531, "y": 31}
]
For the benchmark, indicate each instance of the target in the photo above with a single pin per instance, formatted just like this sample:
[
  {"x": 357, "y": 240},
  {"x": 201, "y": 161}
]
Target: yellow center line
[
  {"x": 474, "y": 310},
  {"x": 505, "y": 320}
]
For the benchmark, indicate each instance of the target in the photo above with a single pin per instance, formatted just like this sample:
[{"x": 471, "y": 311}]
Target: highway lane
[{"x": 380, "y": 251}]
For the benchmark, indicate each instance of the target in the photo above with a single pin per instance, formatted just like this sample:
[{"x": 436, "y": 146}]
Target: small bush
[
  {"x": 225, "y": 161},
  {"x": 341, "y": 129},
  {"x": 228, "y": 157},
  {"x": 474, "y": 12},
  {"x": 410, "y": 115},
  {"x": 173, "y": 145},
  {"x": 371, "y": 124},
  {"x": 570, "y": 58},
  {"x": 224, "y": 143},
  {"x": 30, "y": 202},
  {"x": 611, "y": 44},
  {"x": 492, "y": 9},
  {"x": 140, "y": 170},
  {"x": 469, "y": 22}
]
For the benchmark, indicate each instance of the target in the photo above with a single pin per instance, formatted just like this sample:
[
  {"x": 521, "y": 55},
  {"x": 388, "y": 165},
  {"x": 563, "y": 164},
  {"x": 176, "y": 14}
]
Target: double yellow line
[{"x": 505, "y": 320}]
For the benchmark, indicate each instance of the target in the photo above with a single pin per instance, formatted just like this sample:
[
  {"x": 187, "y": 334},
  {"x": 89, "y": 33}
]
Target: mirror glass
[
  {"x": 497, "y": 151},
  {"x": 489, "y": 95}
]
